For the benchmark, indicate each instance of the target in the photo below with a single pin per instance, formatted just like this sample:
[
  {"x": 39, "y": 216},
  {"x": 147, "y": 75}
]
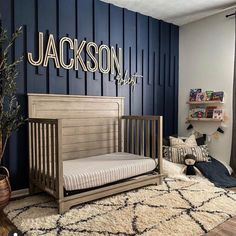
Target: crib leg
[
  {"x": 33, "y": 189},
  {"x": 159, "y": 181},
  {"x": 62, "y": 207}
]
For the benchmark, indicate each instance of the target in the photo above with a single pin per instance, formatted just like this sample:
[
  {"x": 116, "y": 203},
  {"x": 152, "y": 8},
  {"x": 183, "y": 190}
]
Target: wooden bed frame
[{"x": 65, "y": 127}]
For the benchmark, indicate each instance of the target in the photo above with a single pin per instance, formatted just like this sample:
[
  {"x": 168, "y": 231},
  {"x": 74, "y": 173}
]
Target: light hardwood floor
[
  {"x": 5, "y": 225},
  {"x": 228, "y": 228}
]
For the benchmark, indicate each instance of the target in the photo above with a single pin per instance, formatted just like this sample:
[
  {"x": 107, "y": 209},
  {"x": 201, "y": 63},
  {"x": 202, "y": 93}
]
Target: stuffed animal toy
[{"x": 189, "y": 161}]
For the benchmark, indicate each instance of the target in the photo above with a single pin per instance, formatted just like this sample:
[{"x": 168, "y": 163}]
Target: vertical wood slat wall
[{"x": 150, "y": 47}]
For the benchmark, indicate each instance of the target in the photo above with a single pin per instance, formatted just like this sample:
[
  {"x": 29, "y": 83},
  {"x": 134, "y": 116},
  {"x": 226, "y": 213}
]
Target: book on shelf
[
  {"x": 198, "y": 112},
  {"x": 218, "y": 114},
  {"x": 197, "y": 95},
  {"x": 200, "y": 97},
  {"x": 209, "y": 95},
  {"x": 193, "y": 94},
  {"x": 209, "y": 111},
  {"x": 218, "y": 96}
]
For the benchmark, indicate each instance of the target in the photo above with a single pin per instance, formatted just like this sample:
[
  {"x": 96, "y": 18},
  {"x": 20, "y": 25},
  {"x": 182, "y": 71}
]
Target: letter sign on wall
[{"x": 95, "y": 55}]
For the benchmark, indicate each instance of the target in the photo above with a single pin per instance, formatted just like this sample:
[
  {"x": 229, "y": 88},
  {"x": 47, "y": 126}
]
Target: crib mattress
[{"x": 100, "y": 170}]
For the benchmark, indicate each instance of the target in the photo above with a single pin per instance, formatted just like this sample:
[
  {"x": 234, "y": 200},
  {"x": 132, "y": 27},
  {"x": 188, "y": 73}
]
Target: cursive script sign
[{"x": 130, "y": 80}]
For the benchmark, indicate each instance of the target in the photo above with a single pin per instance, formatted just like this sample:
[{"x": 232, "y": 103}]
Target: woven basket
[{"x": 5, "y": 187}]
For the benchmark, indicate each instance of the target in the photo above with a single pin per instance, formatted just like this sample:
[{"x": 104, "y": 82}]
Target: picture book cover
[
  {"x": 209, "y": 95},
  {"x": 200, "y": 97},
  {"x": 198, "y": 113},
  {"x": 209, "y": 111},
  {"x": 218, "y": 96},
  {"x": 193, "y": 94},
  {"x": 218, "y": 114},
  {"x": 191, "y": 113}
]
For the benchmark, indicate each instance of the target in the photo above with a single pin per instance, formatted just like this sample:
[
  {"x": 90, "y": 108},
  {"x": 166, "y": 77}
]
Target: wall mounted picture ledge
[{"x": 149, "y": 47}]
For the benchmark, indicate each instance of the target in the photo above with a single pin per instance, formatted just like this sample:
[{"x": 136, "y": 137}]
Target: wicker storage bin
[{"x": 5, "y": 188}]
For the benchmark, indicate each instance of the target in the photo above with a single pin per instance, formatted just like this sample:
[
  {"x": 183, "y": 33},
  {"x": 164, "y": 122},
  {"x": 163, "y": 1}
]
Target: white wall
[{"x": 206, "y": 61}]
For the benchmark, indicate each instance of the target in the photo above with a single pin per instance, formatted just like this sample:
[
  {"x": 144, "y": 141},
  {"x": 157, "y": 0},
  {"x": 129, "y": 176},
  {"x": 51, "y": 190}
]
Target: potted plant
[{"x": 10, "y": 114}]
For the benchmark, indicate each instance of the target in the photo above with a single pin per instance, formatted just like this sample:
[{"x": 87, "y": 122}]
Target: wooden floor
[
  {"x": 5, "y": 225},
  {"x": 228, "y": 228}
]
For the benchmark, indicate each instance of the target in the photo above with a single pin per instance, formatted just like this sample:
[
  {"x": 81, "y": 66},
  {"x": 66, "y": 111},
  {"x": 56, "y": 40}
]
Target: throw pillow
[
  {"x": 177, "y": 154},
  {"x": 200, "y": 140},
  {"x": 178, "y": 142}
]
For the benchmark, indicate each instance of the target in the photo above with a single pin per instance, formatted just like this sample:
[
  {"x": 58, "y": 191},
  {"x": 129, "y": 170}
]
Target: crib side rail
[
  {"x": 142, "y": 135},
  {"x": 45, "y": 163}
]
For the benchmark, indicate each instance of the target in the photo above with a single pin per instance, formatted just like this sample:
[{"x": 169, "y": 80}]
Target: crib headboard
[{"x": 89, "y": 123}]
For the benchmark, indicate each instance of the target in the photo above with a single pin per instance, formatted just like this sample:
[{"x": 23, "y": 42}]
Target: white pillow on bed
[{"x": 175, "y": 170}]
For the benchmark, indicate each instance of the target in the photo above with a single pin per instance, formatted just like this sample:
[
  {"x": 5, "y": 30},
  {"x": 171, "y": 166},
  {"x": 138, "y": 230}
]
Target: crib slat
[
  {"x": 128, "y": 135},
  {"x": 160, "y": 135},
  {"x": 43, "y": 154},
  {"x": 154, "y": 139},
  {"x": 34, "y": 155},
  {"x": 125, "y": 134},
  {"x": 142, "y": 138},
  {"x": 57, "y": 161},
  {"x": 132, "y": 136},
  {"x": 30, "y": 151},
  {"x": 119, "y": 128},
  {"x": 137, "y": 137},
  {"x": 147, "y": 138},
  {"x": 36, "y": 150},
  {"x": 47, "y": 157},
  {"x": 52, "y": 157},
  {"x": 32, "y": 148},
  {"x": 39, "y": 153}
]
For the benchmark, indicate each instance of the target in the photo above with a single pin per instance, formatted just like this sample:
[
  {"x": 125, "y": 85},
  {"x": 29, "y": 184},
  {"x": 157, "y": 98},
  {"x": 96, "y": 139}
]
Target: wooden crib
[{"x": 67, "y": 127}]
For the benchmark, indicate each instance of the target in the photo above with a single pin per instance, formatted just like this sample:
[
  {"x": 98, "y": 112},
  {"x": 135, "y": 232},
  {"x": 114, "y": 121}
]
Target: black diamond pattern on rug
[{"x": 173, "y": 208}]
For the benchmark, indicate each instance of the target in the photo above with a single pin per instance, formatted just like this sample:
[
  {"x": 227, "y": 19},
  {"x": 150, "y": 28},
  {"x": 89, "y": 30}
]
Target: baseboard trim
[{"x": 20, "y": 193}]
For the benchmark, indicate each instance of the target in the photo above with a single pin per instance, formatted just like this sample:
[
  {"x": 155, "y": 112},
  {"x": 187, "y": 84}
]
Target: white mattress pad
[{"x": 103, "y": 169}]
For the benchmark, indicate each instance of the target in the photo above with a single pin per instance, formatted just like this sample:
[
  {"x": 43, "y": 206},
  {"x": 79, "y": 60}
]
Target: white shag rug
[{"x": 183, "y": 208}]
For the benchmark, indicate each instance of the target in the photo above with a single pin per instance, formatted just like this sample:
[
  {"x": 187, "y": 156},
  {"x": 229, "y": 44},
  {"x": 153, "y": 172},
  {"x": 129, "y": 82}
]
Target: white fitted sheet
[{"x": 99, "y": 170}]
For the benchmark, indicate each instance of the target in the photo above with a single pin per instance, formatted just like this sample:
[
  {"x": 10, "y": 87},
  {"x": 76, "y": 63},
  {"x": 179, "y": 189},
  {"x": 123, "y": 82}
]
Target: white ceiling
[{"x": 178, "y": 12}]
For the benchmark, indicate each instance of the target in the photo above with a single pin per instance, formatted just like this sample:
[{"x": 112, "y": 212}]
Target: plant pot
[{"x": 5, "y": 187}]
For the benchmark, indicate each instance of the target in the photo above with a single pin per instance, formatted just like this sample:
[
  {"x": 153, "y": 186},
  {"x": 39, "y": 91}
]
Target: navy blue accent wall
[{"x": 150, "y": 47}]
